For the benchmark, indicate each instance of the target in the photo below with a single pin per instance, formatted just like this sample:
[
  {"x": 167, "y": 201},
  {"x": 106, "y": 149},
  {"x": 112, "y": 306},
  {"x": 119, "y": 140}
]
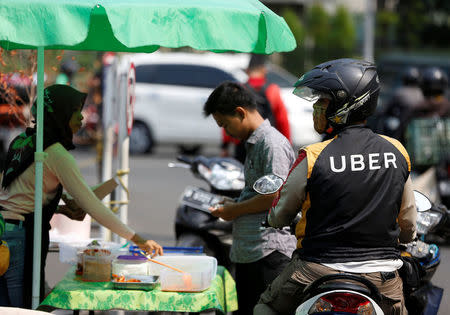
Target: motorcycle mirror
[
  {"x": 422, "y": 202},
  {"x": 268, "y": 184}
]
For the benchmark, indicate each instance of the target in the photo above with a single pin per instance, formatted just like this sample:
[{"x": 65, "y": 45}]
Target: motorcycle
[
  {"x": 194, "y": 224},
  {"x": 351, "y": 294},
  {"x": 435, "y": 221}
]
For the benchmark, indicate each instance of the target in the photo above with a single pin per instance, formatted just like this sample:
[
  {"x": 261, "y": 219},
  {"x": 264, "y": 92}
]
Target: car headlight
[{"x": 427, "y": 220}]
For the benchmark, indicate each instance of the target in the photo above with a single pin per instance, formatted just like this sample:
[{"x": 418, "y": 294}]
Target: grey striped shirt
[{"x": 268, "y": 152}]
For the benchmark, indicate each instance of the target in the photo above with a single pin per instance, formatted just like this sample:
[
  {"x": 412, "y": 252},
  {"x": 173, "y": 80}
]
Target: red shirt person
[{"x": 279, "y": 116}]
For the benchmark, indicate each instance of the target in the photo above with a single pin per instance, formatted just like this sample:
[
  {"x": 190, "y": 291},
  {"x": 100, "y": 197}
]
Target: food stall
[
  {"x": 112, "y": 277},
  {"x": 124, "y": 26}
]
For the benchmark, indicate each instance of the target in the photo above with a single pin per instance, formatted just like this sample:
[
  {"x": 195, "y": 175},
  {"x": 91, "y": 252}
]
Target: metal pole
[
  {"x": 108, "y": 138},
  {"x": 369, "y": 30},
  {"x": 39, "y": 157},
  {"x": 123, "y": 148}
]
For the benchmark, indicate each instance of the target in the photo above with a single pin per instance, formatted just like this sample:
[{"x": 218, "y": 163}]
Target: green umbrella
[
  {"x": 132, "y": 26},
  {"x": 143, "y": 25}
]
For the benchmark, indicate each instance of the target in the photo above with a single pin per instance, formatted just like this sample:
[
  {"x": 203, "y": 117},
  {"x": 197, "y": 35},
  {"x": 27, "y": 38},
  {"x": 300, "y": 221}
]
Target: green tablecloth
[{"x": 74, "y": 294}]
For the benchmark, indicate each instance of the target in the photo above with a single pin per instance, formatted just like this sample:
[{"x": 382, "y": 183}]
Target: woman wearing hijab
[{"x": 62, "y": 118}]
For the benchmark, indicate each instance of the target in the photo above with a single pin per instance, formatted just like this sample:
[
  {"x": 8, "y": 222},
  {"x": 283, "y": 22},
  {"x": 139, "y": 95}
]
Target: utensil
[{"x": 160, "y": 263}]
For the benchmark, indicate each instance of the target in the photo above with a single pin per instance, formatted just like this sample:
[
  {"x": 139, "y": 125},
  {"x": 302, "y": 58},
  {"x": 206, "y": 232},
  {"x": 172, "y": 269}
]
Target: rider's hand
[{"x": 148, "y": 246}]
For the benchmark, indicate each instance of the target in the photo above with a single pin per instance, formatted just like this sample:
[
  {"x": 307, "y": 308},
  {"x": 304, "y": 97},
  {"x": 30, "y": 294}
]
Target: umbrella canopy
[
  {"x": 132, "y": 26},
  {"x": 143, "y": 25}
]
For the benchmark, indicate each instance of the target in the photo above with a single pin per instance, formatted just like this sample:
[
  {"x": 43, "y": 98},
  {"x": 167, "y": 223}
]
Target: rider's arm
[
  {"x": 292, "y": 194},
  {"x": 408, "y": 214}
]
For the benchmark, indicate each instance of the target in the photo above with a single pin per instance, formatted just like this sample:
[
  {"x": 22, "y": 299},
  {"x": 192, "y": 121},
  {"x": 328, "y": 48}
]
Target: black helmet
[
  {"x": 434, "y": 81},
  {"x": 411, "y": 76},
  {"x": 351, "y": 85}
]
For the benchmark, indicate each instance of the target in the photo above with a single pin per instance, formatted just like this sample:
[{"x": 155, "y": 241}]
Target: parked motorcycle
[
  {"x": 351, "y": 294},
  {"x": 194, "y": 224}
]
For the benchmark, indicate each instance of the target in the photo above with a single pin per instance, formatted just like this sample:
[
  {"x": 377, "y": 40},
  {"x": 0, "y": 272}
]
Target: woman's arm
[{"x": 62, "y": 163}]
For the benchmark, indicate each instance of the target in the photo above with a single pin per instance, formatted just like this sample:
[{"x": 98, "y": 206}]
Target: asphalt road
[{"x": 154, "y": 193}]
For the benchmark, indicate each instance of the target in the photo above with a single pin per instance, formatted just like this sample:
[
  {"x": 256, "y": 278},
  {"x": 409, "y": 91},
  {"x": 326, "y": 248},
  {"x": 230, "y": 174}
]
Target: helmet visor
[{"x": 309, "y": 94}]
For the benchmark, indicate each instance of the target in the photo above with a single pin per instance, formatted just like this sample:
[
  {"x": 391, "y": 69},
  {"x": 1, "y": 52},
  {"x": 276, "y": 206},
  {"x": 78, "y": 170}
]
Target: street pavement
[{"x": 154, "y": 194}]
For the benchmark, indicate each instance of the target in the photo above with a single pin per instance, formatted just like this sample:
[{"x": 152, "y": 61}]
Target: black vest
[{"x": 354, "y": 193}]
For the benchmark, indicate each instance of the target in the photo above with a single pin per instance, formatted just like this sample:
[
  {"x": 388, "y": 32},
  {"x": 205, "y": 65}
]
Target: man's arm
[
  {"x": 292, "y": 194},
  {"x": 408, "y": 214},
  {"x": 231, "y": 210}
]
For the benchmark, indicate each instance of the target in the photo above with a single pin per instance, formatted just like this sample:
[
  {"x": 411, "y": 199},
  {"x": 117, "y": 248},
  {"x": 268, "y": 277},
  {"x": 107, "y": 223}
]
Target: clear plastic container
[
  {"x": 97, "y": 264},
  {"x": 69, "y": 252},
  {"x": 199, "y": 272},
  {"x": 130, "y": 265}
]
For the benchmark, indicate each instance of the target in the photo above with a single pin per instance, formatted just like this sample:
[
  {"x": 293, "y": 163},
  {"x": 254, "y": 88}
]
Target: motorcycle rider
[
  {"x": 405, "y": 98},
  {"x": 354, "y": 192},
  {"x": 434, "y": 84},
  {"x": 429, "y": 122}
]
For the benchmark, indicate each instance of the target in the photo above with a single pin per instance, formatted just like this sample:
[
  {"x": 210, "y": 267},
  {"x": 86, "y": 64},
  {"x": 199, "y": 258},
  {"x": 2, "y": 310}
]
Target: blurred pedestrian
[
  {"x": 270, "y": 105},
  {"x": 67, "y": 70}
]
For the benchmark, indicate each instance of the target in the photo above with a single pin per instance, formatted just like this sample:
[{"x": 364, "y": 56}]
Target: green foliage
[
  {"x": 320, "y": 37},
  {"x": 342, "y": 34},
  {"x": 294, "y": 60},
  {"x": 318, "y": 28},
  {"x": 413, "y": 25},
  {"x": 412, "y": 16}
]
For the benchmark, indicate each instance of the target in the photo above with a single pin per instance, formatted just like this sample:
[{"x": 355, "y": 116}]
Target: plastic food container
[
  {"x": 145, "y": 282},
  {"x": 69, "y": 252},
  {"x": 200, "y": 271},
  {"x": 97, "y": 264},
  {"x": 130, "y": 265}
]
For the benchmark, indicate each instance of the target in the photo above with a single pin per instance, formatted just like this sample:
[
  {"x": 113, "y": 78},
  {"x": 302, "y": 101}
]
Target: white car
[{"x": 171, "y": 89}]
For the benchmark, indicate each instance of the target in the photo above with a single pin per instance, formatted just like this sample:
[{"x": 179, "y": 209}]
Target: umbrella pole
[{"x": 39, "y": 157}]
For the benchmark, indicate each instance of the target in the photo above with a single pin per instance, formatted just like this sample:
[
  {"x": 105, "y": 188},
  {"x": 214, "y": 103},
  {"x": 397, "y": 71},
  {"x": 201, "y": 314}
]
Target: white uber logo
[{"x": 359, "y": 162}]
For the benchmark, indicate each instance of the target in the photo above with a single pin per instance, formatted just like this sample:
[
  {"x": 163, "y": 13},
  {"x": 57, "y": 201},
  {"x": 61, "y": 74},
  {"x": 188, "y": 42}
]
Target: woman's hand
[{"x": 148, "y": 246}]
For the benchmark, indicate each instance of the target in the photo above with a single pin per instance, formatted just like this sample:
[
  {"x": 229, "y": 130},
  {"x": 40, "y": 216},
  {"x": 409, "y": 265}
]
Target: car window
[{"x": 181, "y": 74}]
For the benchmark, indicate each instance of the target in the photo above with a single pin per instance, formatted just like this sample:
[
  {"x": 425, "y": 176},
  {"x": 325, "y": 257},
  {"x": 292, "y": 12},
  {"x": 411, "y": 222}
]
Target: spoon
[{"x": 160, "y": 263}]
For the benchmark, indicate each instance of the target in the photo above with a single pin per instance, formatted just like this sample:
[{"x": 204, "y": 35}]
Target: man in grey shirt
[{"x": 259, "y": 253}]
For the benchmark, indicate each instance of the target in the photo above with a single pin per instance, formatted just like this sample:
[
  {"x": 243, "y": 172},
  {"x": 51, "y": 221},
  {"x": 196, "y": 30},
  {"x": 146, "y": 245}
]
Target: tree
[
  {"x": 318, "y": 30},
  {"x": 342, "y": 36},
  {"x": 294, "y": 61},
  {"x": 412, "y": 15}
]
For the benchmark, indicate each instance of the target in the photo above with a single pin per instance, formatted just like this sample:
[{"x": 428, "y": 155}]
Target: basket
[{"x": 428, "y": 140}]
